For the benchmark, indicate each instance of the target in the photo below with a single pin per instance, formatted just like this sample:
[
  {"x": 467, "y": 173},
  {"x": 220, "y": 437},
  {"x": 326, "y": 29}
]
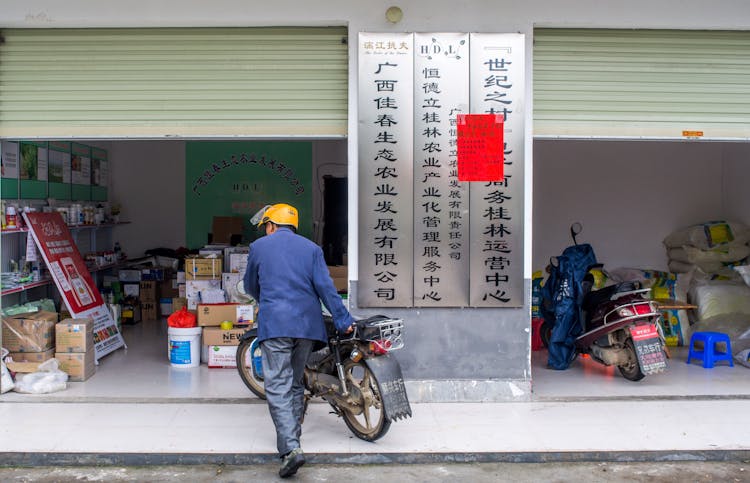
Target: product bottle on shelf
[{"x": 11, "y": 217}]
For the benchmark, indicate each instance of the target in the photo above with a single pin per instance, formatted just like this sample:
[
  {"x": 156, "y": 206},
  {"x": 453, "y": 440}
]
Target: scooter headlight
[{"x": 625, "y": 312}]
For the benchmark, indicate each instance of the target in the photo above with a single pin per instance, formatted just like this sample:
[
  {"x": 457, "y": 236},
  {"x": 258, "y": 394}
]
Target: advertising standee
[{"x": 73, "y": 279}]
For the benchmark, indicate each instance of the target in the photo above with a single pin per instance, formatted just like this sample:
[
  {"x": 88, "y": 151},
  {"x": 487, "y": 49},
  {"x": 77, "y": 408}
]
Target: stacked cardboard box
[
  {"x": 149, "y": 300},
  {"x": 220, "y": 346},
  {"x": 75, "y": 348},
  {"x": 203, "y": 281},
  {"x": 30, "y": 338},
  {"x": 212, "y": 315},
  {"x": 199, "y": 268},
  {"x": 340, "y": 276}
]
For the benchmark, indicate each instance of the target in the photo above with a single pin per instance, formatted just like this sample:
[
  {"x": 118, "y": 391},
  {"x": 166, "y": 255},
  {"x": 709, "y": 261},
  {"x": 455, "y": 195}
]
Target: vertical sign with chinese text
[
  {"x": 441, "y": 202},
  {"x": 497, "y": 207},
  {"x": 73, "y": 279},
  {"x": 386, "y": 80}
]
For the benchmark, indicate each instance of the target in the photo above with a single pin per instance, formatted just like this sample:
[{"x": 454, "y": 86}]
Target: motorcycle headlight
[{"x": 625, "y": 312}]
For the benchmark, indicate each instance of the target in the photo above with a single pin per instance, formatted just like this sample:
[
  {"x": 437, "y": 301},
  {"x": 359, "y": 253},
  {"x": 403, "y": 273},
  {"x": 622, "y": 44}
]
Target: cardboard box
[
  {"x": 340, "y": 277},
  {"x": 37, "y": 357},
  {"x": 32, "y": 332},
  {"x": 166, "y": 262},
  {"x": 131, "y": 290},
  {"x": 23, "y": 367},
  {"x": 229, "y": 283},
  {"x": 149, "y": 310},
  {"x": 193, "y": 289},
  {"x": 341, "y": 284},
  {"x": 131, "y": 314},
  {"x": 178, "y": 303},
  {"x": 338, "y": 271},
  {"x": 224, "y": 227},
  {"x": 75, "y": 335},
  {"x": 202, "y": 268},
  {"x": 169, "y": 289},
  {"x": 222, "y": 356},
  {"x": 238, "y": 263},
  {"x": 129, "y": 275},
  {"x": 152, "y": 274},
  {"x": 148, "y": 291},
  {"x": 212, "y": 315},
  {"x": 216, "y": 336},
  {"x": 78, "y": 365},
  {"x": 245, "y": 315},
  {"x": 215, "y": 314},
  {"x": 234, "y": 250},
  {"x": 165, "y": 306}
]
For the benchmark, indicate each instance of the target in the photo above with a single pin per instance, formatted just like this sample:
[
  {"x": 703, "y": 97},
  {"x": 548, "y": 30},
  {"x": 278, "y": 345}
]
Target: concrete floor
[
  {"x": 142, "y": 372},
  {"x": 139, "y": 410}
]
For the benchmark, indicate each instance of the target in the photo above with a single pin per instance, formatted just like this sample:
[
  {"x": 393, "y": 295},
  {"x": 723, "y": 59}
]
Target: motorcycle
[
  {"x": 615, "y": 325},
  {"x": 620, "y": 328},
  {"x": 354, "y": 373}
]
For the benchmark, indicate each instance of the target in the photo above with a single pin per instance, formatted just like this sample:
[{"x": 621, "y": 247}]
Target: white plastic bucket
[{"x": 184, "y": 347}]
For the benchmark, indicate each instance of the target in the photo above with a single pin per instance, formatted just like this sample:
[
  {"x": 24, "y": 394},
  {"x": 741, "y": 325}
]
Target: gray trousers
[{"x": 284, "y": 361}]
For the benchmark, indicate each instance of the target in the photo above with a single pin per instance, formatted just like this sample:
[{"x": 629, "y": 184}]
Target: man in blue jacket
[{"x": 288, "y": 277}]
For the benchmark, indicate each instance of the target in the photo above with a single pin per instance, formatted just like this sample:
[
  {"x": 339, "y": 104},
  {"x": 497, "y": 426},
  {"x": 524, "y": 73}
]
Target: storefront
[{"x": 454, "y": 352}]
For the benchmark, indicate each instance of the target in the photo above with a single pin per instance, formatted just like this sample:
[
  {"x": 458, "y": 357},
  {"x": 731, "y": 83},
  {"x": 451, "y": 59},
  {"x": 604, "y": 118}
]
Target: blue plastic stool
[{"x": 710, "y": 354}]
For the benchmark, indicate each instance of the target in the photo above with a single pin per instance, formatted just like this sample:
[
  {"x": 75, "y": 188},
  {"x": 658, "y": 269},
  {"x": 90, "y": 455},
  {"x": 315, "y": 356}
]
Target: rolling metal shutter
[
  {"x": 665, "y": 84},
  {"x": 184, "y": 82}
]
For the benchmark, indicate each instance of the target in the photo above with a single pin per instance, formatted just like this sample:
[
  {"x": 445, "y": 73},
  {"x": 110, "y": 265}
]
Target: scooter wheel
[
  {"x": 632, "y": 370},
  {"x": 248, "y": 365}
]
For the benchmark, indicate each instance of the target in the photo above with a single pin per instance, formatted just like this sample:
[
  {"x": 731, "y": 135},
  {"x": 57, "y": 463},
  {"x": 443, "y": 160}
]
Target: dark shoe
[{"x": 291, "y": 463}]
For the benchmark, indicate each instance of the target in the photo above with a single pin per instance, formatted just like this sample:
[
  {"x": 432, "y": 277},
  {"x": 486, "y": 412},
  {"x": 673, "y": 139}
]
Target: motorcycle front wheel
[
  {"x": 632, "y": 370},
  {"x": 249, "y": 366},
  {"x": 367, "y": 421}
]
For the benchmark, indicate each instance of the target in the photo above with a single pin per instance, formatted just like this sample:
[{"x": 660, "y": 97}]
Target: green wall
[{"x": 225, "y": 178}]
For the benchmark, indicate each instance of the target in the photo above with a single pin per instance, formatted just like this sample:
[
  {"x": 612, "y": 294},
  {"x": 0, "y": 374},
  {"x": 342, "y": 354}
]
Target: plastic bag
[
  {"x": 717, "y": 298},
  {"x": 48, "y": 378},
  {"x": 709, "y": 235},
  {"x": 46, "y": 305},
  {"x": 744, "y": 271},
  {"x": 6, "y": 382},
  {"x": 182, "y": 319}
]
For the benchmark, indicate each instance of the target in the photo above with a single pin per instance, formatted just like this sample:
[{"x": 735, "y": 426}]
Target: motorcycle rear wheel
[
  {"x": 632, "y": 370},
  {"x": 369, "y": 422},
  {"x": 245, "y": 367}
]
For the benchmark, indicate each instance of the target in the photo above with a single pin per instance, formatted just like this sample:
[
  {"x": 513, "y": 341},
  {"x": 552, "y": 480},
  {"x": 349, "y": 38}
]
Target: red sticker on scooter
[{"x": 642, "y": 332}]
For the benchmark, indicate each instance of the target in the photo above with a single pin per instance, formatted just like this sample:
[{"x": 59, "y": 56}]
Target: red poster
[
  {"x": 72, "y": 278},
  {"x": 480, "y": 147}
]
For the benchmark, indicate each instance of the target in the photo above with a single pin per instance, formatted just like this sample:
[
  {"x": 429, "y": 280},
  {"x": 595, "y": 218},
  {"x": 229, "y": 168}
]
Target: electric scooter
[
  {"x": 620, "y": 328},
  {"x": 615, "y": 325}
]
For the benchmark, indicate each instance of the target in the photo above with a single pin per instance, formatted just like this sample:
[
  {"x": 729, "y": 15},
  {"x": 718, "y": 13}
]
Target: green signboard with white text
[{"x": 237, "y": 178}]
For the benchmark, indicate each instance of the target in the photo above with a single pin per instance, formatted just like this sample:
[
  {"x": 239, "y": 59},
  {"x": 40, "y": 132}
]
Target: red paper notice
[{"x": 480, "y": 147}]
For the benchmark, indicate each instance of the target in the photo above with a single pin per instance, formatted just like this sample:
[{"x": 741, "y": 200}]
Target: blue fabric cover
[
  {"x": 562, "y": 296},
  {"x": 287, "y": 274}
]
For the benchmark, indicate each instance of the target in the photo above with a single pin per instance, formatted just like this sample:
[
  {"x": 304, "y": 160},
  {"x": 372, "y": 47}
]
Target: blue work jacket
[{"x": 288, "y": 277}]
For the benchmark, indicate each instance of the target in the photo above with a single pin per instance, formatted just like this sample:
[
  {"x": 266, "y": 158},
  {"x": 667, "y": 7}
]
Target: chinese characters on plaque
[
  {"x": 429, "y": 238},
  {"x": 441, "y": 203},
  {"x": 385, "y": 169}
]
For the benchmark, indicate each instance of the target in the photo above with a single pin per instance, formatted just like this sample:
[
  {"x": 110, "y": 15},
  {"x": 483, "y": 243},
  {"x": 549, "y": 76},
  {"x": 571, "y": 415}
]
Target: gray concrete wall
[{"x": 462, "y": 354}]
